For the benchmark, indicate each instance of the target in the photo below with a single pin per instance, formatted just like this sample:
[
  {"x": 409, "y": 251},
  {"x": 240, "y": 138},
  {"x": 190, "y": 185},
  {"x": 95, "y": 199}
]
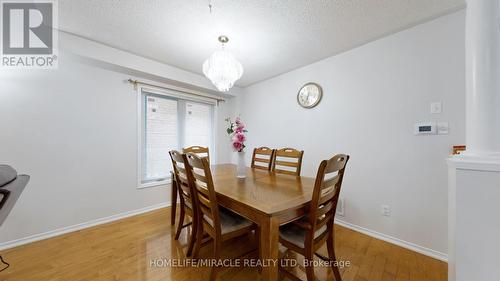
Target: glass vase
[{"x": 241, "y": 172}]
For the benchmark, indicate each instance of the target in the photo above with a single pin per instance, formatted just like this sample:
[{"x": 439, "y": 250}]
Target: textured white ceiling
[{"x": 269, "y": 37}]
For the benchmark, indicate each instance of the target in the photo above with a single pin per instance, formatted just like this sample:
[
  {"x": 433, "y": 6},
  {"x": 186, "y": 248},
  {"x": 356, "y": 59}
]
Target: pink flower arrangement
[
  {"x": 238, "y": 146},
  {"x": 236, "y": 131}
]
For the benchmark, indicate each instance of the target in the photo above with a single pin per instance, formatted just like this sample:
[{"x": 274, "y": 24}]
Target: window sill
[{"x": 154, "y": 184}]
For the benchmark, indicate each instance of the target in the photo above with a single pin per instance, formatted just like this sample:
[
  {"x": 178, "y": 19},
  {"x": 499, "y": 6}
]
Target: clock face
[{"x": 309, "y": 95}]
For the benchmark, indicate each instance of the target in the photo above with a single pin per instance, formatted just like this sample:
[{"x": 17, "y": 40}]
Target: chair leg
[
  {"x": 257, "y": 240},
  {"x": 259, "y": 250},
  {"x": 217, "y": 249},
  {"x": 192, "y": 237},
  {"x": 174, "y": 200},
  {"x": 330, "y": 245},
  {"x": 199, "y": 239},
  {"x": 181, "y": 222},
  {"x": 309, "y": 256}
]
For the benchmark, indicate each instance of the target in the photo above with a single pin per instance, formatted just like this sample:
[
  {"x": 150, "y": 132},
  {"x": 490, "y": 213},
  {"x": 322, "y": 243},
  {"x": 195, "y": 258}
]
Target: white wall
[
  {"x": 372, "y": 97},
  {"x": 224, "y": 151},
  {"x": 74, "y": 131}
]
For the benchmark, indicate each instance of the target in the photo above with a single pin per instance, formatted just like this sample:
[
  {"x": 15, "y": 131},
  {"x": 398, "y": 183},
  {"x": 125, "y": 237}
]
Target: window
[
  {"x": 198, "y": 125},
  {"x": 170, "y": 121}
]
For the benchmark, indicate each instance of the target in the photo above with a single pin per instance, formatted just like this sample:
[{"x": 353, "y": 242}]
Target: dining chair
[
  {"x": 187, "y": 199},
  {"x": 287, "y": 161},
  {"x": 306, "y": 235},
  {"x": 262, "y": 158},
  {"x": 201, "y": 151},
  {"x": 219, "y": 223}
]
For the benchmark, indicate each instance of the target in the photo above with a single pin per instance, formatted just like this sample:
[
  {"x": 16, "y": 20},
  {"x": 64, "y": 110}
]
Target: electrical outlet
[
  {"x": 340, "y": 207},
  {"x": 386, "y": 210}
]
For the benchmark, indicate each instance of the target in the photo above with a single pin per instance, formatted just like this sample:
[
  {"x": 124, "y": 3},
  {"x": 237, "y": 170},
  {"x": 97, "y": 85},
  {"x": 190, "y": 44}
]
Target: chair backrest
[
  {"x": 326, "y": 194},
  {"x": 262, "y": 158},
  {"x": 200, "y": 151},
  {"x": 200, "y": 178},
  {"x": 287, "y": 161},
  {"x": 179, "y": 161}
]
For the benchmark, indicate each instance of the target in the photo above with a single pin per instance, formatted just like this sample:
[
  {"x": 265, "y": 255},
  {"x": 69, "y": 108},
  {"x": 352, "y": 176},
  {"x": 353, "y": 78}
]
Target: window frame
[{"x": 172, "y": 94}]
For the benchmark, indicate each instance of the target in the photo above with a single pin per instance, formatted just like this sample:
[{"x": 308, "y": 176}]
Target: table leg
[
  {"x": 174, "y": 200},
  {"x": 269, "y": 239}
]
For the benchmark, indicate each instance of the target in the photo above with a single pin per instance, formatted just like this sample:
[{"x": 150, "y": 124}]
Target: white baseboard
[
  {"x": 393, "y": 240},
  {"x": 68, "y": 229},
  {"x": 76, "y": 227}
]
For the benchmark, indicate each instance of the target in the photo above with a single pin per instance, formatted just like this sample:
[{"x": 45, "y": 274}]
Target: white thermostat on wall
[{"x": 425, "y": 128}]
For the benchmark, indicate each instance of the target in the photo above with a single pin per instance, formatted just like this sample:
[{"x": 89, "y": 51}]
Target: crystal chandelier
[{"x": 222, "y": 68}]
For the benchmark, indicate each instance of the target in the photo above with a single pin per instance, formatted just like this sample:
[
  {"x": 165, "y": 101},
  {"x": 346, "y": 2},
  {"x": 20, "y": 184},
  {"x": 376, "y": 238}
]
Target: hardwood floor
[{"x": 123, "y": 250}]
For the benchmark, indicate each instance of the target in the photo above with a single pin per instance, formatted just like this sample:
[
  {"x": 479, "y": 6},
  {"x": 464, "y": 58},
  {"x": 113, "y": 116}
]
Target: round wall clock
[{"x": 309, "y": 95}]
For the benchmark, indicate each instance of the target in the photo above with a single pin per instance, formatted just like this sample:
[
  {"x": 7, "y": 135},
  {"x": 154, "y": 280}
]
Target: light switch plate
[{"x": 436, "y": 107}]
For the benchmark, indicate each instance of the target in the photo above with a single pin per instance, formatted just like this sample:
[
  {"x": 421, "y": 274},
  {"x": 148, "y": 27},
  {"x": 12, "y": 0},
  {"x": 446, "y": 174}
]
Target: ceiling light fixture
[{"x": 222, "y": 68}]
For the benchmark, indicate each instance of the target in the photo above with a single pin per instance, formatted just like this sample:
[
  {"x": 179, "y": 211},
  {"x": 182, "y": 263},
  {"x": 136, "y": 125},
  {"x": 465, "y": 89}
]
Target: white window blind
[
  {"x": 169, "y": 122},
  {"x": 198, "y": 125}
]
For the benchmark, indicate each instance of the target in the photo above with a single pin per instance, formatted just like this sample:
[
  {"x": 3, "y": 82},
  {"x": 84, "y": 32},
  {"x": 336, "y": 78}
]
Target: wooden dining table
[{"x": 266, "y": 198}]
